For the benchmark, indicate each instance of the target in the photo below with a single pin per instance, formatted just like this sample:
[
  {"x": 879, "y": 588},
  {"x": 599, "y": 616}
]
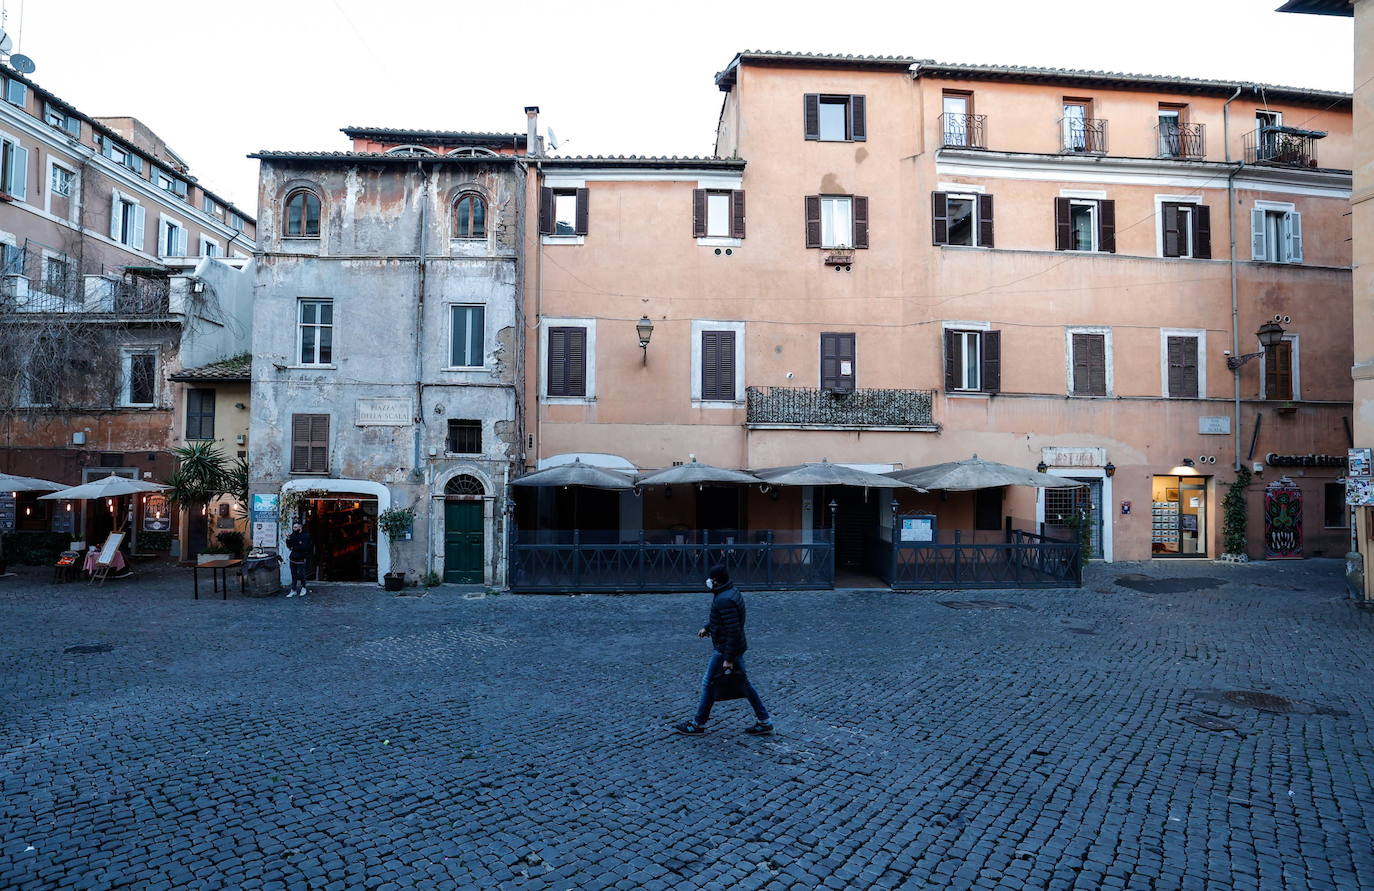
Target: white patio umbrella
[
  {"x": 693, "y": 473},
  {"x": 110, "y": 487},
  {"x": 11, "y": 483}
]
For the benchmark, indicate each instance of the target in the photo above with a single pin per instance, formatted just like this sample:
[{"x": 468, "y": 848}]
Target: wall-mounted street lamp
[
  {"x": 1186, "y": 468},
  {"x": 645, "y": 329},
  {"x": 1041, "y": 467},
  {"x": 1269, "y": 334},
  {"x": 1109, "y": 469}
]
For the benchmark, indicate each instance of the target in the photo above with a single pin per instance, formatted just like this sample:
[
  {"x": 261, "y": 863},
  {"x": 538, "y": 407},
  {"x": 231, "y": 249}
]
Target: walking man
[
  {"x": 299, "y": 549},
  {"x": 725, "y": 627}
]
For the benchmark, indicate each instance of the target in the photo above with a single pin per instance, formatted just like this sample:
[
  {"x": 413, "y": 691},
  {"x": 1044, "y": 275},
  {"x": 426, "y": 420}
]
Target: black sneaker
[
  {"x": 760, "y": 728},
  {"x": 689, "y": 728}
]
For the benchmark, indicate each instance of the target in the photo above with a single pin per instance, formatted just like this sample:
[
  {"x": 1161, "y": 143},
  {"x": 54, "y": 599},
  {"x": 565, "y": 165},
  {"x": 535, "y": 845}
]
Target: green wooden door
[{"x": 463, "y": 542}]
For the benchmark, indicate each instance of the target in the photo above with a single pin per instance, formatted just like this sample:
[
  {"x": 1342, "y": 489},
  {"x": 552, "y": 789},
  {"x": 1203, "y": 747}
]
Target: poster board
[
  {"x": 9, "y": 511},
  {"x": 263, "y": 513},
  {"x": 108, "y": 551},
  {"x": 918, "y": 527},
  {"x": 155, "y": 514},
  {"x": 1359, "y": 461},
  {"x": 1360, "y": 492}
]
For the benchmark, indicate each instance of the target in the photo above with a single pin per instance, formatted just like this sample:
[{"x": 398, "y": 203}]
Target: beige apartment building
[{"x": 891, "y": 262}]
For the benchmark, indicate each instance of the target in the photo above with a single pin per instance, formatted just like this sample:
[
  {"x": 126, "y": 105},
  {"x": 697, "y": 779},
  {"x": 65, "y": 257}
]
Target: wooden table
[{"x": 219, "y": 576}]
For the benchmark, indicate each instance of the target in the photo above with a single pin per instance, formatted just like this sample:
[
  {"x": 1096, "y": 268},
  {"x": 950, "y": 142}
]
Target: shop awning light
[{"x": 1184, "y": 469}]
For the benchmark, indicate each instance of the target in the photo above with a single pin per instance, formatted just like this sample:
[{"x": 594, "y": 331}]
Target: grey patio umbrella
[
  {"x": 110, "y": 487},
  {"x": 693, "y": 473},
  {"x": 11, "y": 483},
  {"x": 824, "y": 473},
  {"x": 975, "y": 473},
  {"x": 577, "y": 474}
]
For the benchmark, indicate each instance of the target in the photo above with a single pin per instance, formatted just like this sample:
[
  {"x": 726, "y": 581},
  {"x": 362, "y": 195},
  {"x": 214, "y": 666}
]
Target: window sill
[
  {"x": 562, "y": 239},
  {"x": 138, "y": 405},
  {"x": 717, "y": 403},
  {"x": 312, "y": 368},
  {"x": 468, "y": 368},
  {"x": 968, "y": 247},
  {"x": 568, "y": 400},
  {"x": 463, "y": 454},
  {"x": 720, "y": 241},
  {"x": 967, "y": 394},
  {"x": 1091, "y": 396},
  {"x": 320, "y": 473}
]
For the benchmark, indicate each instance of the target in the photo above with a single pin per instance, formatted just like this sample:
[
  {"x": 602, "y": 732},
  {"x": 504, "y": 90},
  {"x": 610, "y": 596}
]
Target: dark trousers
[
  {"x": 297, "y": 575},
  {"x": 708, "y": 692}
]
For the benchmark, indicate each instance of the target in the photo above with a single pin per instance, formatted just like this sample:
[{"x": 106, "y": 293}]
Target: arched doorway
[{"x": 463, "y": 534}]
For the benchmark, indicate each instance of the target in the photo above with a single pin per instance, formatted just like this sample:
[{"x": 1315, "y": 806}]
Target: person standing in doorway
[
  {"x": 725, "y": 627},
  {"x": 300, "y": 550}
]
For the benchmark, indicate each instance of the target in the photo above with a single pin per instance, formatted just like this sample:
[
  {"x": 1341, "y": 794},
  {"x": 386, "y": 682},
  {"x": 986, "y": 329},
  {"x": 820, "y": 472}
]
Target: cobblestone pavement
[{"x": 358, "y": 740}]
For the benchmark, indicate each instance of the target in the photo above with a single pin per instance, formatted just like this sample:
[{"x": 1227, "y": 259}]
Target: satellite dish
[
  {"x": 6, "y": 43},
  {"x": 553, "y": 139},
  {"x": 21, "y": 63}
]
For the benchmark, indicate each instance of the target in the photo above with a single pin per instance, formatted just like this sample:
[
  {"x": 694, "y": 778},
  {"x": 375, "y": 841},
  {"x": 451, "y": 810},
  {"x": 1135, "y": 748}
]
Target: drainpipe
[
  {"x": 419, "y": 356},
  {"x": 1235, "y": 301}
]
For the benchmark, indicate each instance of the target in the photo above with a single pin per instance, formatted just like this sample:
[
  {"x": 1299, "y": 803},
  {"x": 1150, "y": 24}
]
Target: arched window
[
  {"x": 464, "y": 485},
  {"x": 302, "y": 214},
  {"x": 470, "y": 217}
]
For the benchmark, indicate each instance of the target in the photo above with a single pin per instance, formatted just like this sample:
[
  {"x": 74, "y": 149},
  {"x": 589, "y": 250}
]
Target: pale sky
[{"x": 218, "y": 80}]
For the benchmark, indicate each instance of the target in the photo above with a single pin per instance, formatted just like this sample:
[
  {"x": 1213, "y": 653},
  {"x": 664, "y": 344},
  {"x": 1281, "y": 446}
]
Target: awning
[
  {"x": 975, "y": 473},
  {"x": 826, "y": 474},
  {"x": 693, "y": 473},
  {"x": 577, "y": 474}
]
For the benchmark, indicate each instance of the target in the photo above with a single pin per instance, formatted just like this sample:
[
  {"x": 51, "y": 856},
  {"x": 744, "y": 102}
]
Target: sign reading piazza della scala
[{"x": 383, "y": 412}]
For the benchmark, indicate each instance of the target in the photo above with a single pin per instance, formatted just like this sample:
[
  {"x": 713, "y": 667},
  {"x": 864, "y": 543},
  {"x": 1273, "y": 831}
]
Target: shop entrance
[
  {"x": 343, "y": 528},
  {"x": 1179, "y": 516}
]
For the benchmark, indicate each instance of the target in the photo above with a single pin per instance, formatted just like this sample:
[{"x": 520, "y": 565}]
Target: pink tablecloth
[{"x": 92, "y": 556}]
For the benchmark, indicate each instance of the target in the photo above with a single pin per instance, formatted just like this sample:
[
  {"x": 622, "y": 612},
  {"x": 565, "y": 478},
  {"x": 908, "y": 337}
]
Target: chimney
[{"x": 532, "y": 144}]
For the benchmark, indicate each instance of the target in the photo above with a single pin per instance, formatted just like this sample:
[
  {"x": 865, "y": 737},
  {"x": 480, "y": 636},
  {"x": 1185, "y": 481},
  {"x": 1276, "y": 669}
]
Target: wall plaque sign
[
  {"x": 1216, "y": 425},
  {"x": 373, "y": 411},
  {"x": 1070, "y": 457}
]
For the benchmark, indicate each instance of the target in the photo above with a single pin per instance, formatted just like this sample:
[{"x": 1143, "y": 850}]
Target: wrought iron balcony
[
  {"x": 1083, "y": 136},
  {"x": 1181, "y": 140},
  {"x": 814, "y": 407},
  {"x": 963, "y": 130},
  {"x": 1285, "y": 146}
]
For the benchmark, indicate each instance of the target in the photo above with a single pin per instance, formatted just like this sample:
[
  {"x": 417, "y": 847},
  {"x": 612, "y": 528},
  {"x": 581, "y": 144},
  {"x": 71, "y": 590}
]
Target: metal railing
[
  {"x": 1286, "y": 146},
  {"x": 1087, "y": 136},
  {"x": 577, "y": 561},
  {"x": 812, "y": 406},
  {"x": 1022, "y": 560},
  {"x": 39, "y": 278},
  {"x": 141, "y": 295},
  {"x": 963, "y": 130},
  {"x": 1181, "y": 140}
]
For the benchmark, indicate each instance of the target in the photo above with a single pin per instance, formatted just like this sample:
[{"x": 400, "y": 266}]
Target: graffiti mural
[{"x": 1282, "y": 520}]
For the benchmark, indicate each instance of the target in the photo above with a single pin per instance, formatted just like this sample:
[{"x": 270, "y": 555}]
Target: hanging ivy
[{"x": 1233, "y": 511}]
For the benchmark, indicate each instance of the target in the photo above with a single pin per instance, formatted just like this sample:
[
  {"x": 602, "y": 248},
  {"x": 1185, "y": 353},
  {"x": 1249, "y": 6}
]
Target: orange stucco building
[{"x": 891, "y": 262}]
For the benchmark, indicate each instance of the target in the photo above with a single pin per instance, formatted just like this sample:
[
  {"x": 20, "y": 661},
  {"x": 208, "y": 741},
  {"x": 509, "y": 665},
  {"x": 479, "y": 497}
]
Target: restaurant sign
[
  {"x": 1070, "y": 457},
  {"x": 1274, "y": 460}
]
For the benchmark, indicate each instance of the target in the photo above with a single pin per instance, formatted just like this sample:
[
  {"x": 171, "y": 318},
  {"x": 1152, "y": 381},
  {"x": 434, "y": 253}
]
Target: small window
[
  {"x": 973, "y": 361},
  {"x": 468, "y": 338},
  {"x": 1335, "y": 512},
  {"x": 172, "y": 240},
  {"x": 835, "y": 118},
  {"x": 1276, "y": 234},
  {"x": 956, "y": 122},
  {"x": 62, "y": 182},
  {"x": 470, "y": 217},
  {"x": 1278, "y": 371},
  {"x": 961, "y": 219},
  {"x": 210, "y": 206},
  {"x": 837, "y": 362},
  {"x": 14, "y": 169},
  {"x": 140, "y": 378},
  {"x": 1089, "y": 364},
  {"x": 1085, "y": 224},
  {"x": 567, "y": 362},
  {"x": 126, "y": 222},
  {"x": 209, "y": 247},
  {"x": 168, "y": 183},
  {"x": 717, "y": 213},
  {"x": 200, "y": 413},
  {"x": 1181, "y": 352},
  {"x": 837, "y": 222},
  {"x": 11, "y": 259},
  {"x": 237, "y": 223},
  {"x": 1185, "y": 229},
  {"x": 57, "y": 276},
  {"x": 16, "y": 93},
  {"x": 563, "y": 212},
  {"x": 465, "y": 437},
  {"x": 302, "y": 215},
  {"x": 316, "y": 335},
  {"x": 310, "y": 443},
  {"x": 718, "y": 366}
]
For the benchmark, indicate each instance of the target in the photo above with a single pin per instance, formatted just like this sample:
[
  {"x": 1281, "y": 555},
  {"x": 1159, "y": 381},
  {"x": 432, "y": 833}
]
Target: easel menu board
[{"x": 9, "y": 509}]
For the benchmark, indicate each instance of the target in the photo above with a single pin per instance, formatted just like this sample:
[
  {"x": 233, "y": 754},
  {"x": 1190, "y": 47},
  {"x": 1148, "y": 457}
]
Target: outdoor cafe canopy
[
  {"x": 110, "y": 487},
  {"x": 576, "y": 473},
  {"x": 975, "y": 473},
  {"x": 11, "y": 483},
  {"x": 692, "y": 473},
  {"x": 824, "y": 473}
]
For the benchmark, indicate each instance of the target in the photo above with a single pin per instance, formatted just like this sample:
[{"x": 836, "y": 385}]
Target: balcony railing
[
  {"x": 1181, "y": 140},
  {"x": 814, "y": 407},
  {"x": 1084, "y": 136},
  {"x": 963, "y": 130},
  {"x": 141, "y": 295},
  {"x": 1286, "y": 146}
]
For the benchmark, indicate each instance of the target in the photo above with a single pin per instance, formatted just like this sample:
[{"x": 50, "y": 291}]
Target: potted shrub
[
  {"x": 397, "y": 523},
  {"x": 213, "y": 552}
]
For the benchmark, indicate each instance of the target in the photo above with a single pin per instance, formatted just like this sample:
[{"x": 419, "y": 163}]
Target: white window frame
[
  {"x": 846, "y": 118},
  {"x": 210, "y": 206},
  {"x": 183, "y": 238},
  {"x": 1290, "y": 214},
  {"x": 560, "y": 197},
  {"x": 564, "y": 322},
  {"x": 18, "y": 145},
  {"x": 699, "y": 326},
  {"x": 117, "y": 197},
  {"x": 1160, "y": 201},
  {"x": 1108, "y": 355},
  {"x": 980, "y": 328},
  {"x": 715, "y": 199},
  {"x": 1199, "y": 334},
  {"x": 828, "y": 202},
  {"x": 127, "y": 378},
  {"x": 300, "y": 328},
  {"x": 1095, "y": 205},
  {"x": 1297, "y": 366},
  {"x": 207, "y": 241},
  {"x": 10, "y": 84},
  {"x": 449, "y": 308},
  {"x": 972, "y": 198}
]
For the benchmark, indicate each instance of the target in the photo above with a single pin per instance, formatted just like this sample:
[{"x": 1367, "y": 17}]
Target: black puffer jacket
[
  {"x": 726, "y": 625},
  {"x": 300, "y": 549}
]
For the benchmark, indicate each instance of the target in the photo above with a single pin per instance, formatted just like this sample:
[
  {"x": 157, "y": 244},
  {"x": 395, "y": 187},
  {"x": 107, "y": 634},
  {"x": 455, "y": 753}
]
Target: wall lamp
[
  {"x": 1041, "y": 467},
  {"x": 645, "y": 329},
  {"x": 1183, "y": 469},
  {"x": 1109, "y": 469},
  {"x": 1269, "y": 334}
]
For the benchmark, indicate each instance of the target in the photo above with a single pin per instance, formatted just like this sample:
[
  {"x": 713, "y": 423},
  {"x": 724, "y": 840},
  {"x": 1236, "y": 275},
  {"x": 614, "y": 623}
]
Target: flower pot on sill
[{"x": 1286, "y": 408}]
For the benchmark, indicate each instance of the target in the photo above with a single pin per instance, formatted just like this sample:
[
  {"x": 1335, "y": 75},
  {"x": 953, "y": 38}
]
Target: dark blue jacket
[
  {"x": 300, "y": 549},
  {"x": 726, "y": 625}
]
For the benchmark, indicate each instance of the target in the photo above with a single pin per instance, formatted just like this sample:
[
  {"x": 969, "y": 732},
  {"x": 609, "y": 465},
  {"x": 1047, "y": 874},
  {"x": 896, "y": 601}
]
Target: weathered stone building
[{"x": 386, "y": 351}]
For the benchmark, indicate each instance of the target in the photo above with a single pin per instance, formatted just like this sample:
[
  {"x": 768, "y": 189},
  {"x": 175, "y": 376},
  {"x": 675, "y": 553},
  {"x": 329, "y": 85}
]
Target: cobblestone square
[{"x": 1034, "y": 739}]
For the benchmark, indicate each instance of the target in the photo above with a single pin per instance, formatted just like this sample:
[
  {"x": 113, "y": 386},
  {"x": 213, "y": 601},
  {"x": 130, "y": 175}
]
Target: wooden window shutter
[
  {"x": 1183, "y": 373},
  {"x": 837, "y": 349},
  {"x": 309, "y": 443},
  {"x": 1202, "y": 232},
  {"x": 985, "y": 221},
  {"x": 1278, "y": 371},
  {"x": 1169, "y": 212},
  {"x": 1063, "y": 233},
  {"x": 858, "y": 118},
  {"x": 319, "y": 443},
  {"x": 718, "y": 366},
  {"x": 300, "y": 443},
  {"x": 992, "y": 361},
  {"x": 953, "y": 360},
  {"x": 1106, "y": 226},
  {"x": 813, "y": 221},
  {"x": 567, "y": 368},
  {"x": 860, "y": 221},
  {"x": 582, "y": 211},
  {"x": 811, "y": 115},
  {"x": 546, "y": 211},
  {"x": 939, "y": 218},
  {"x": 1089, "y": 365},
  {"x": 1258, "y": 240},
  {"x": 737, "y": 213},
  {"x": 698, "y": 213},
  {"x": 557, "y": 362}
]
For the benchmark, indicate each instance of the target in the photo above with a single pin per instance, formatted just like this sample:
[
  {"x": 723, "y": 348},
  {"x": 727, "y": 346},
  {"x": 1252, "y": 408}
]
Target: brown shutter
[
  {"x": 860, "y": 221},
  {"x": 1278, "y": 371},
  {"x": 1089, "y": 365},
  {"x": 726, "y": 382},
  {"x": 698, "y": 213},
  {"x": 1172, "y": 247},
  {"x": 985, "y": 221},
  {"x": 811, "y": 115},
  {"x": 718, "y": 366},
  {"x": 300, "y": 443},
  {"x": 837, "y": 348},
  {"x": 737, "y": 213},
  {"x": 1202, "y": 232},
  {"x": 309, "y": 443},
  {"x": 992, "y": 361},
  {"x": 1183, "y": 373},
  {"x": 1106, "y": 226},
  {"x": 939, "y": 218},
  {"x": 858, "y": 118},
  {"x": 1063, "y": 235},
  {"x": 319, "y": 443},
  {"x": 952, "y": 360},
  {"x": 813, "y": 221},
  {"x": 582, "y": 211},
  {"x": 567, "y": 369},
  {"x": 557, "y": 379},
  {"x": 546, "y": 211}
]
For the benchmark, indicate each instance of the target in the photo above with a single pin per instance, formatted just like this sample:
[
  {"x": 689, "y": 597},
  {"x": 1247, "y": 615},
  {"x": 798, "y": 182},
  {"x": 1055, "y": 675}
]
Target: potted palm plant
[
  {"x": 397, "y": 523},
  {"x": 201, "y": 477}
]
